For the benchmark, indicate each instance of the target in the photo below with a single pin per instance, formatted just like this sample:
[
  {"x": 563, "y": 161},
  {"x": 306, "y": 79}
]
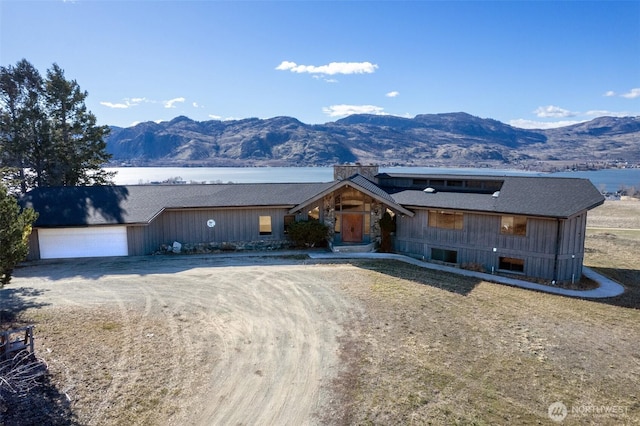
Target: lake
[{"x": 611, "y": 179}]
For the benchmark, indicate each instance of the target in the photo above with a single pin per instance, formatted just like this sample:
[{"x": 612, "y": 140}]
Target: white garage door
[{"x": 83, "y": 242}]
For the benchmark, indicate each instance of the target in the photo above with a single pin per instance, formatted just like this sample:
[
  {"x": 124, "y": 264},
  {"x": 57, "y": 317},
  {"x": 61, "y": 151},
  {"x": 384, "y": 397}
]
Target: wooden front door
[{"x": 352, "y": 228}]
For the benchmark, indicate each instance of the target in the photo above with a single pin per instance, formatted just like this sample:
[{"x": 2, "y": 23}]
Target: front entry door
[{"x": 352, "y": 228}]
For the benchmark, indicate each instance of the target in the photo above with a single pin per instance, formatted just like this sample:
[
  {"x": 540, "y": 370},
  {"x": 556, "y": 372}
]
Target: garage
[{"x": 82, "y": 242}]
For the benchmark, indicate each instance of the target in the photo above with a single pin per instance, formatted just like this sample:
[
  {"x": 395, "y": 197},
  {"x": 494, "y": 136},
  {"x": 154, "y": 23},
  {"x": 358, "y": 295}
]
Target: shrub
[
  {"x": 308, "y": 233},
  {"x": 15, "y": 228}
]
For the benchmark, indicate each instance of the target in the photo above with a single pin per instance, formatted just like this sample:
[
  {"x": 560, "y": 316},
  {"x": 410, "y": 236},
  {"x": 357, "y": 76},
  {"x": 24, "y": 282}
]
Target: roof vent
[
  {"x": 429, "y": 190},
  {"x": 496, "y": 194}
]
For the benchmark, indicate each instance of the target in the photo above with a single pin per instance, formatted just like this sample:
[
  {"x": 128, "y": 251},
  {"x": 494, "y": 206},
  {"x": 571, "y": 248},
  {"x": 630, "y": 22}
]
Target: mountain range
[{"x": 449, "y": 139}]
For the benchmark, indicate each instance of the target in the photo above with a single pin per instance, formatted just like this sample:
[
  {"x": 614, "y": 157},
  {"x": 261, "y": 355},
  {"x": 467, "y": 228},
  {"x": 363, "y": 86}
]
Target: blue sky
[{"x": 529, "y": 64}]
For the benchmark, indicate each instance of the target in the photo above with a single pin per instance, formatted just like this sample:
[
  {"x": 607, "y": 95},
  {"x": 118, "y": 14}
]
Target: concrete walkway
[{"x": 607, "y": 288}]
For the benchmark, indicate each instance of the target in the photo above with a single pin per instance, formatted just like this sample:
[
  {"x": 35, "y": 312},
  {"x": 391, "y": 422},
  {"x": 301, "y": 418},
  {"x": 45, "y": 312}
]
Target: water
[{"x": 610, "y": 180}]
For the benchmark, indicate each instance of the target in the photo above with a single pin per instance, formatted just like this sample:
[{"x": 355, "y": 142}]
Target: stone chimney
[{"x": 344, "y": 171}]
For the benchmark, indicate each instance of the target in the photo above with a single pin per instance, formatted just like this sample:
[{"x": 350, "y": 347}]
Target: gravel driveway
[{"x": 217, "y": 340}]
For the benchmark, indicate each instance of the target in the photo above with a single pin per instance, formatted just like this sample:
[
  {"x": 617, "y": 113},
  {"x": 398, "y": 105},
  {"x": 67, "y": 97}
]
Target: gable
[{"x": 360, "y": 184}]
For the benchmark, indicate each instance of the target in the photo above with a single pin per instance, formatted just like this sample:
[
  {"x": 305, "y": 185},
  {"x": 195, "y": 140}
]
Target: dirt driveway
[{"x": 188, "y": 340}]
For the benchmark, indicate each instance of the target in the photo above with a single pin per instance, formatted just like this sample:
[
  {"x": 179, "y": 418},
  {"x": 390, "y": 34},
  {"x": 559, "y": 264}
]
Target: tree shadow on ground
[
  {"x": 442, "y": 280},
  {"x": 25, "y": 400},
  {"x": 13, "y": 303},
  {"x": 43, "y": 404},
  {"x": 94, "y": 268}
]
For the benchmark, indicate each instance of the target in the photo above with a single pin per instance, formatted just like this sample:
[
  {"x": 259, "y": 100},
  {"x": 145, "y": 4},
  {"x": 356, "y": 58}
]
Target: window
[
  {"x": 288, "y": 220},
  {"x": 351, "y": 200},
  {"x": 449, "y": 256},
  {"x": 265, "y": 225},
  {"x": 445, "y": 220},
  {"x": 511, "y": 264},
  {"x": 513, "y": 225}
]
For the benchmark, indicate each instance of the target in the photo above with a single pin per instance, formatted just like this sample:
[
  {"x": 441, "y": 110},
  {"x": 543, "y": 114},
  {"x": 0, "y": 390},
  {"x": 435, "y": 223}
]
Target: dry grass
[
  {"x": 97, "y": 377},
  {"x": 440, "y": 349},
  {"x": 488, "y": 354},
  {"x": 616, "y": 214}
]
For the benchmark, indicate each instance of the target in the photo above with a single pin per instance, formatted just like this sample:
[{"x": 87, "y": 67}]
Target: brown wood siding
[
  {"x": 34, "y": 246},
  {"x": 190, "y": 226},
  {"x": 481, "y": 233}
]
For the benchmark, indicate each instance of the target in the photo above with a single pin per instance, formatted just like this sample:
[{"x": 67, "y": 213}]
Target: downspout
[{"x": 557, "y": 253}]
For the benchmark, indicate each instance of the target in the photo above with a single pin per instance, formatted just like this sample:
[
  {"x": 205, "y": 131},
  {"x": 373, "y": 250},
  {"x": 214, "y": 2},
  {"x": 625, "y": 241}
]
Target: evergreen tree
[
  {"x": 23, "y": 124},
  {"x": 79, "y": 149},
  {"x": 15, "y": 228},
  {"x": 47, "y": 135}
]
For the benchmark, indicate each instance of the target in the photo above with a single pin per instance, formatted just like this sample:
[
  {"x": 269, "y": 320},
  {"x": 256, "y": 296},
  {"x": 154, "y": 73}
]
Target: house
[{"x": 532, "y": 226}]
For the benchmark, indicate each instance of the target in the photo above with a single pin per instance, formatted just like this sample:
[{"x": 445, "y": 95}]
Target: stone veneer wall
[
  {"x": 329, "y": 214},
  {"x": 344, "y": 171},
  {"x": 217, "y": 247}
]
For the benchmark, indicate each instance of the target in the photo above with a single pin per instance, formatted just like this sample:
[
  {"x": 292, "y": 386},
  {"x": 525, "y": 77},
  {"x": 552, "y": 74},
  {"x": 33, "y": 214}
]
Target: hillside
[{"x": 453, "y": 139}]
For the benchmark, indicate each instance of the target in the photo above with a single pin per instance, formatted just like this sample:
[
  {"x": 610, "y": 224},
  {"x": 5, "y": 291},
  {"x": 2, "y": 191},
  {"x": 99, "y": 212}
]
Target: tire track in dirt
[
  {"x": 247, "y": 342},
  {"x": 282, "y": 348},
  {"x": 122, "y": 375}
]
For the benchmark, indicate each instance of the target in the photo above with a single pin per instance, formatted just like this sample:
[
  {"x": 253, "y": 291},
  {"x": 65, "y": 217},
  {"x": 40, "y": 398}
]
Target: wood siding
[
  {"x": 481, "y": 234},
  {"x": 34, "y": 246},
  {"x": 190, "y": 226}
]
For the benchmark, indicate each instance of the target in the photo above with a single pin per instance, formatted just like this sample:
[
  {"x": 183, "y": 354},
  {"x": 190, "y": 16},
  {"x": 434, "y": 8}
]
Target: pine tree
[
  {"x": 47, "y": 135},
  {"x": 15, "y": 228},
  {"x": 79, "y": 146},
  {"x": 23, "y": 124}
]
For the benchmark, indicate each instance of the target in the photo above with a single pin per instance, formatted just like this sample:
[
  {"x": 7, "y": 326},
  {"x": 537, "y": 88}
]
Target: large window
[
  {"x": 513, "y": 225},
  {"x": 442, "y": 255},
  {"x": 446, "y": 220},
  {"x": 265, "y": 225},
  {"x": 511, "y": 264}
]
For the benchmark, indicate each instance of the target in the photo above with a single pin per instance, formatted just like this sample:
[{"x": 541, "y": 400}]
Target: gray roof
[
  {"x": 105, "y": 205},
  {"x": 140, "y": 204},
  {"x": 532, "y": 196}
]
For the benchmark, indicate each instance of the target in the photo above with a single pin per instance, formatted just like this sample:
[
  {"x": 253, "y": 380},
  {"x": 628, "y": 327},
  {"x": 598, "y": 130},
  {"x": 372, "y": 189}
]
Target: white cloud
[
  {"x": 609, "y": 93},
  {"x": 531, "y": 124},
  {"x": 604, "y": 113},
  {"x": 220, "y": 118},
  {"x": 344, "y": 110},
  {"x": 117, "y": 106},
  {"x": 553, "y": 111},
  {"x": 392, "y": 94},
  {"x": 171, "y": 102},
  {"x": 332, "y": 68},
  {"x": 126, "y": 103},
  {"x": 632, "y": 94}
]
